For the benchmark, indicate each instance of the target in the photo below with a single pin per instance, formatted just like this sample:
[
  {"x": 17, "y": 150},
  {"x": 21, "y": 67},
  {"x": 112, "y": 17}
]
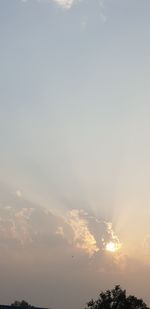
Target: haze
[{"x": 75, "y": 150}]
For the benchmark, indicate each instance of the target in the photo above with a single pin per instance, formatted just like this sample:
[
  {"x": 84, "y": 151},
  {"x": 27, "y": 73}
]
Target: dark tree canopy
[
  {"x": 116, "y": 299},
  {"x": 22, "y": 304}
]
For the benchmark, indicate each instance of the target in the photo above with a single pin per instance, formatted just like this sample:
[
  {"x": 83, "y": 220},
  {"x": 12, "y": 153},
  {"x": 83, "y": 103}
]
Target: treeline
[
  {"x": 22, "y": 304},
  {"x": 116, "y": 299},
  {"x": 110, "y": 299}
]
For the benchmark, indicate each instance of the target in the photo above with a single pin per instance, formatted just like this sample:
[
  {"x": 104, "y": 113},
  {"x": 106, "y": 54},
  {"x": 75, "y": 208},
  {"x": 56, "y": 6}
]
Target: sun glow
[{"x": 112, "y": 246}]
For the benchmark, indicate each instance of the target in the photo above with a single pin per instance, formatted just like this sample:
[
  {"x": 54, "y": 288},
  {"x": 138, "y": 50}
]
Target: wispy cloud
[
  {"x": 63, "y": 3},
  {"x": 67, "y": 4}
]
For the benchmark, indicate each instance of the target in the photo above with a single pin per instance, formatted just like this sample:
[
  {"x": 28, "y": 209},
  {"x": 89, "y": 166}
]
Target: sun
[{"x": 112, "y": 246}]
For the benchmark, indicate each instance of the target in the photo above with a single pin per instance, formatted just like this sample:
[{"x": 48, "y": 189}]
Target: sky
[{"x": 74, "y": 150}]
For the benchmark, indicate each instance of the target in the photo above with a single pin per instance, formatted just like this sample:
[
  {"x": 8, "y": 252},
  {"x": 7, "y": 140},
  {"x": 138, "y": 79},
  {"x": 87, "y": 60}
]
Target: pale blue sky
[{"x": 74, "y": 122}]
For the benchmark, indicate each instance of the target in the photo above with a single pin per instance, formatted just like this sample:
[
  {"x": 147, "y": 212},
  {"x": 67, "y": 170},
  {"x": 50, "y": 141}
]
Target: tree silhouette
[
  {"x": 116, "y": 299},
  {"x": 22, "y": 304}
]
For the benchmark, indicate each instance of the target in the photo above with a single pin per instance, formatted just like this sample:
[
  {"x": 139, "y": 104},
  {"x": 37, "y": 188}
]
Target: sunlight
[{"x": 112, "y": 246}]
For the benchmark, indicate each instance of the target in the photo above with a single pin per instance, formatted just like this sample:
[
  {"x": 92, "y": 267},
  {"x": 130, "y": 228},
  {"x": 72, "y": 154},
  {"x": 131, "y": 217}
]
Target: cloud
[
  {"x": 22, "y": 222},
  {"x": 60, "y": 231},
  {"x": 113, "y": 238},
  {"x": 15, "y": 226},
  {"x": 24, "y": 213},
  {"x": 65, "y": 3},
  {"x": 83, "y": 238}
]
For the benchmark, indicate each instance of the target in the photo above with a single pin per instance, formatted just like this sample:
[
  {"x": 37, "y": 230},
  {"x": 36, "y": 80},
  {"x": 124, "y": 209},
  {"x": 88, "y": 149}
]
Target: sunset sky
[{"x": 75, "y": 150}]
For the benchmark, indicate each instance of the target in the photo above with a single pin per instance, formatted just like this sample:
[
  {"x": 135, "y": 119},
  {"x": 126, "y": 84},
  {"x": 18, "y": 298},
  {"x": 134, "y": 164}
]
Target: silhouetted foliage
[
  {"x": 22, "y": 304},
  {"x": 116, "y": 299}
]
